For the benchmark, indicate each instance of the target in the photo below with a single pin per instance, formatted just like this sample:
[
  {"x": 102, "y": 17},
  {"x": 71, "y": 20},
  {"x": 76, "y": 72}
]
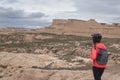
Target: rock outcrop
[{"x": 81, "y": 27}]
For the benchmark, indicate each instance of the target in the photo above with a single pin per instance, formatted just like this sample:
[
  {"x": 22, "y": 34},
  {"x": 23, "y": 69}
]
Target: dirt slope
[{"x": 24, "y": 66}]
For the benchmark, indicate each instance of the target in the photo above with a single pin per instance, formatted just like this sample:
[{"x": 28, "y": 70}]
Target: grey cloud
[
  {"x": 36, "y": 15},
  {"x": 112, "y": 2},
  {"x": 98, "y": 6},
  {"x": 117, "y": 19},
  {"x": 10, "y": 1},
  {"x": 19, "y": 18},
  {"x": 11, "y": 13}
]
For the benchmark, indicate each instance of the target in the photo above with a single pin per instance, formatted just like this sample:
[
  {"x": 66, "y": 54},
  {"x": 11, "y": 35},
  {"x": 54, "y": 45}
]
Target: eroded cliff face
[{"x": 85, "y": 28}]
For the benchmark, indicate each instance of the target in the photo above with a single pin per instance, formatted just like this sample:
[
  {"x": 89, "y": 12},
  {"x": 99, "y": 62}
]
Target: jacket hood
[{"x": 100, "y": 45}]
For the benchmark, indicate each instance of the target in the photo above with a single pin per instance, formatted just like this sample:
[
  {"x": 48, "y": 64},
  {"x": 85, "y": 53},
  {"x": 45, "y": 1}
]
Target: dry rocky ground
[{"x": 46, "y": 56}]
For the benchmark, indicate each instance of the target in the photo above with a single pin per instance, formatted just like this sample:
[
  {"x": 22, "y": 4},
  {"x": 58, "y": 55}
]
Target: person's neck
[{"x": 96, "y": 43}]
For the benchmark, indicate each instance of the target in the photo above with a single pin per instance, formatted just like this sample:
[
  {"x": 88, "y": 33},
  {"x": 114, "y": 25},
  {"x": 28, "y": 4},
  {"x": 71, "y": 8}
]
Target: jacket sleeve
[{"x": 93, "y": 54}]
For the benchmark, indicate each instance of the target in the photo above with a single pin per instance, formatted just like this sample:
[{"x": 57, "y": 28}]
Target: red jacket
[{"x": 94, "y": 54}]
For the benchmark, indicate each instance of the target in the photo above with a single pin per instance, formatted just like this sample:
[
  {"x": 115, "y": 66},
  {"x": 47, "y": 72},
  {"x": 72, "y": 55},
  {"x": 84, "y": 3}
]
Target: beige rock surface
[{"x": 24, "y": 66}]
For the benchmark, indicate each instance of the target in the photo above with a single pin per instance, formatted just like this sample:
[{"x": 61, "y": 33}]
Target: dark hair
[{"x": 96, "y": 37}]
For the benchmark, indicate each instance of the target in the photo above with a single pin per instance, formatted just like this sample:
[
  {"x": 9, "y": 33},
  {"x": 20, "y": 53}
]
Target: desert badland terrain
[{"x": 58, "y": 52}]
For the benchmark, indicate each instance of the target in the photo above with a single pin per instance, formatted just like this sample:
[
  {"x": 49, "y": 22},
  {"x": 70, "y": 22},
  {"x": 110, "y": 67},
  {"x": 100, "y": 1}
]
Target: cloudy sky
[{"x": 37, "y": 13}]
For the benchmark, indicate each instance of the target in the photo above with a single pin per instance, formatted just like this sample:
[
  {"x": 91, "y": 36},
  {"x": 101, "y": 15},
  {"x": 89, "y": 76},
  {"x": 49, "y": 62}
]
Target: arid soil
[
  {"x": 33, "y": 55},
  {"x": 24, "y": 66}
]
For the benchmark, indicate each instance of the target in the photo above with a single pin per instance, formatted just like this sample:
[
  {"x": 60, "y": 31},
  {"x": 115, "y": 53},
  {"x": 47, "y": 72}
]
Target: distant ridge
[
  {"x": 72, "y": 27},
  {"x": 82, "y": 27}
]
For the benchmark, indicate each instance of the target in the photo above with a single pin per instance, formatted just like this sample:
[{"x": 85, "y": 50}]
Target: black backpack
[{"x": 102, "y": 57}]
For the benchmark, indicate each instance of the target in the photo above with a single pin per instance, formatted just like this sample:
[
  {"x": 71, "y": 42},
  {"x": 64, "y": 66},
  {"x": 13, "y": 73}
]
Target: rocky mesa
[{"x": 83, "y": 28}]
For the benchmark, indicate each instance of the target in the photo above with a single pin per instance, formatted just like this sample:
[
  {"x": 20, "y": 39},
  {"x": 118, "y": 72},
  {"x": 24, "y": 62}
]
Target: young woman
[{"x": 98, "y": 69}]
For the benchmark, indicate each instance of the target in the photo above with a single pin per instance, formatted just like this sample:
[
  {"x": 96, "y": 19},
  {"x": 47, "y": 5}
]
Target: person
[{"x": 98, "y": 69}]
